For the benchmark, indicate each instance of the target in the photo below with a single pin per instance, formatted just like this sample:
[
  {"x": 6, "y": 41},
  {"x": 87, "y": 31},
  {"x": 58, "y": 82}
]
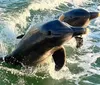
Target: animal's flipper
[
  {"x": 20, "y": 36},
  {"x": 79, "y": 42},
  {"x": 59, "y": 58}
]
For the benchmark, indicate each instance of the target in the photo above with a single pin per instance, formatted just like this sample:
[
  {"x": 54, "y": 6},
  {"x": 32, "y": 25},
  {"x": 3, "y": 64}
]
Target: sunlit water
[{"x": 82, "y": 65}]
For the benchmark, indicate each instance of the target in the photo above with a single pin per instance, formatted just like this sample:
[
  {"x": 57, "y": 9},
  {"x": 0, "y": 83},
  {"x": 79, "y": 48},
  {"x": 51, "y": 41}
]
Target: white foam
[
  {"x": 63, "y": 73},
  {"x": 10, "y": 30},
  {"x": 3, "y": 50}
]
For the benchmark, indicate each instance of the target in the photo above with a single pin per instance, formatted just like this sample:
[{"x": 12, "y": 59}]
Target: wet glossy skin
[
  {"x": 37, "y": 42},
  {"x": 40, "y": 43},
  {"x": 78, "y": 17}
]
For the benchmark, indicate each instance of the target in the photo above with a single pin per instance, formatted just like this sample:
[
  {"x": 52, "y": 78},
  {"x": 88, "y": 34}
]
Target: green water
[{"x": 82, "y": 65}]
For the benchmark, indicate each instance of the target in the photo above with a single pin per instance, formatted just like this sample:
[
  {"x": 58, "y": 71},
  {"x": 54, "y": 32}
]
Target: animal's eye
[{"x": 49, "y": 33}]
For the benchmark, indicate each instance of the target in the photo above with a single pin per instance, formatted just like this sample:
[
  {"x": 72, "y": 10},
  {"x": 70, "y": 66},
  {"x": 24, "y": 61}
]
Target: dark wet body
[
  {"x": 79, "y": 18},
  {"x": 36, "y": 43},
  {"x": 76, "y": 17},
  {"x": 41, "y": 42}
]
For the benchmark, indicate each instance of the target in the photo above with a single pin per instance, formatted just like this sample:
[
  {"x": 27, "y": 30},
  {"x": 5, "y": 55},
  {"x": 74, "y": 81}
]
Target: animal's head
[
  {"x": 60, "y": 31},
  {"x": 78, "y": 17},
  {"x": 55, "y": 32},
  {"x": 50, "y": 36}
]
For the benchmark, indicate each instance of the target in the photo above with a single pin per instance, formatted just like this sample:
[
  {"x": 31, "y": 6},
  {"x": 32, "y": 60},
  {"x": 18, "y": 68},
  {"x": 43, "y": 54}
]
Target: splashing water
[{"x": 82, "y": 65}]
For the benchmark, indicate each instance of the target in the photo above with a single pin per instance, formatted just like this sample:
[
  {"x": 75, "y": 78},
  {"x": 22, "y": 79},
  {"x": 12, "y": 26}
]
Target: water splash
[{"x": 11, "y": 23}]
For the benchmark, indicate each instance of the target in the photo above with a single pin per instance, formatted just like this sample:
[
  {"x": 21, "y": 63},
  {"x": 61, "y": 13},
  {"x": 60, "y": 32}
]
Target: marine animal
[
  {"x": 80, "y": 18},
  {"x": 43, "y": 41}
]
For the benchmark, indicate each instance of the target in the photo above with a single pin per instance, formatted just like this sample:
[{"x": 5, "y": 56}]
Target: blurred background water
[{"x": 82, "y": 65}]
